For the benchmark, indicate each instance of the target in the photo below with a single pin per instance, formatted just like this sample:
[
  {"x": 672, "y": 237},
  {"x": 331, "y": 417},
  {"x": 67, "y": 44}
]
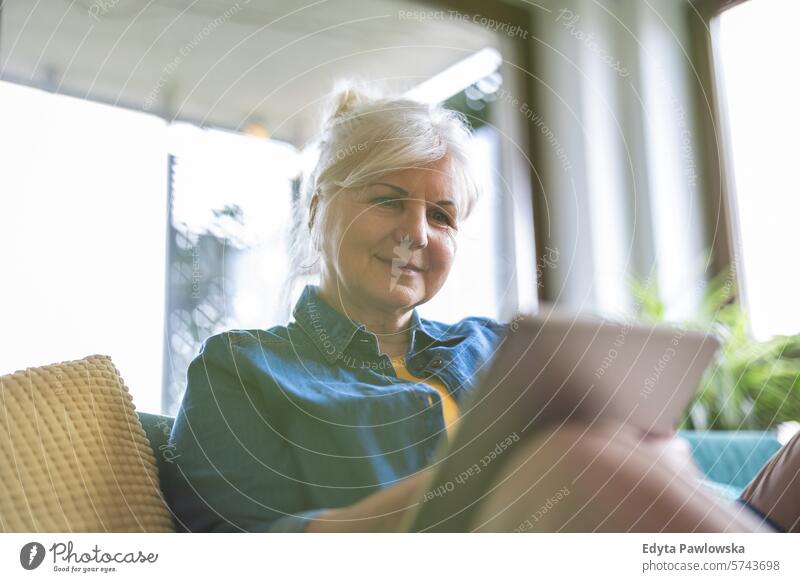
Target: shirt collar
[{"x": 332, "y": 332}]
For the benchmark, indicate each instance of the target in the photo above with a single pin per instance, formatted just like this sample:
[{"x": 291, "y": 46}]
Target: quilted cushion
[{"x": 73, "y": 455}]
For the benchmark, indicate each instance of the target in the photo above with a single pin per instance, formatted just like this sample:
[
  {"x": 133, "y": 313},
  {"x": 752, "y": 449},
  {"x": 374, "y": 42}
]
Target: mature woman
[{"x": 328, "y": 423}]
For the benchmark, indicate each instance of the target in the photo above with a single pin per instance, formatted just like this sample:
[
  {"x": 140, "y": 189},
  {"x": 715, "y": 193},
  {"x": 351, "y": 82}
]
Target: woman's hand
[{"x": 382, "y": 511}]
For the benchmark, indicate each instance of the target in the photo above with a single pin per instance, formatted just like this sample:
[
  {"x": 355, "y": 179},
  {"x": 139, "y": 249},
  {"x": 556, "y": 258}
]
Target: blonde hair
[{"x": 365, "y": 136}]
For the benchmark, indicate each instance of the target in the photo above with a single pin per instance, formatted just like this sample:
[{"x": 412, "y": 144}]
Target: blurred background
[{"x": 637, "y": 161}]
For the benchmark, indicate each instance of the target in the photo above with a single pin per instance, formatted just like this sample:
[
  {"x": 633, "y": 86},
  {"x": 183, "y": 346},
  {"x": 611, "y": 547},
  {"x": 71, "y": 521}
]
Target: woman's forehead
[{"x": 431, "y": 181}]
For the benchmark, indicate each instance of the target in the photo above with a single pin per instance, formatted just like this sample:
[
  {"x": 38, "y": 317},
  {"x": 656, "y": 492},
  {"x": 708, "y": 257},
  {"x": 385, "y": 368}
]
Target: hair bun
[{"x": 346, "y": 98}]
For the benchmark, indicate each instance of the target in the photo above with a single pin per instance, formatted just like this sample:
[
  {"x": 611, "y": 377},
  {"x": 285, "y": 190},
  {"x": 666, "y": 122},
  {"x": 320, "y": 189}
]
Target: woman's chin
[{"x": 400, "y": 294}]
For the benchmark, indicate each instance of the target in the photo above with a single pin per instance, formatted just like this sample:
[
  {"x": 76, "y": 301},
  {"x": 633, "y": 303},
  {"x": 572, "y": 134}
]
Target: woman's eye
[
  {"x": 443, "y": 217},
  {"x": 385, "y": 201}
]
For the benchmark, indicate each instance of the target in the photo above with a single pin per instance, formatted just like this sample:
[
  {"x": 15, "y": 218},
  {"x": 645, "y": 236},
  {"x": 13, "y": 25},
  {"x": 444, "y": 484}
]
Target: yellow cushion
[{"x": 73, "y": 454}]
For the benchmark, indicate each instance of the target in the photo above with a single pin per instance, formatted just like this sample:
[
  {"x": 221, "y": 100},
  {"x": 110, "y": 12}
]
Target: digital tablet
[{"x": 549, "y": 368}]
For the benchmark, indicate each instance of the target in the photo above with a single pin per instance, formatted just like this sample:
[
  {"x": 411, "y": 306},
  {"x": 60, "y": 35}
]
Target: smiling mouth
[{"x": 404, "y": 268}]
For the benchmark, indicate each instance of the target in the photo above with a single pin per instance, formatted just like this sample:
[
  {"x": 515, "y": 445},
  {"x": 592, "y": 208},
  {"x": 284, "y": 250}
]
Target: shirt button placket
[{"x": 435, "y": 364}]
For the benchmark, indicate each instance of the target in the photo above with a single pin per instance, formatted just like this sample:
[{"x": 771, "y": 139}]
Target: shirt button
[
  {"x": 430, "y": 400},
  {"x": 436, "y": 362}
]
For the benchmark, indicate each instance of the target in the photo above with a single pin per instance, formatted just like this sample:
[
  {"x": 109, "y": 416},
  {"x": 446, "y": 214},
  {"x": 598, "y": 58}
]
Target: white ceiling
[{"x": 222, "y": 62}]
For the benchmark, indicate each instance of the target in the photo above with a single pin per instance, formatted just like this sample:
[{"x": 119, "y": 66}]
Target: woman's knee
[
  {"x": 547, "y": 479},
  {"x": 582, "y": 443},
  {"x": 599, "y": 477}
]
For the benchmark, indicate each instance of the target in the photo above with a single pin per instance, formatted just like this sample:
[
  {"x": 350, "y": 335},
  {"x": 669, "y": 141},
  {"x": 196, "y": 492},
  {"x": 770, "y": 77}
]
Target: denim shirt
[{"x": 278, "y": 425}]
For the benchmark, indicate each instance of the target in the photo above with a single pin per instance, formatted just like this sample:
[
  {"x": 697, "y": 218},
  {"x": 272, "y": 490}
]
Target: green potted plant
[{"x": 753, "y": 384}]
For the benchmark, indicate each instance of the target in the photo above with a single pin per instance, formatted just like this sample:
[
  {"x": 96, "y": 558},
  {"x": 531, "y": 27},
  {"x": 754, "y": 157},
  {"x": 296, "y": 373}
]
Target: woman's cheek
[{"x": 445, "y": 255}]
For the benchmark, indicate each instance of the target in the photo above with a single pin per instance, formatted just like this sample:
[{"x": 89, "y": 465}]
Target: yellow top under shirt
[{"x": 450, "y": 408}]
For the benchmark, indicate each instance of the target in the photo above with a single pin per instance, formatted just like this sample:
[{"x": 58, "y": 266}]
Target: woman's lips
[{"x": 406, "y": 268}]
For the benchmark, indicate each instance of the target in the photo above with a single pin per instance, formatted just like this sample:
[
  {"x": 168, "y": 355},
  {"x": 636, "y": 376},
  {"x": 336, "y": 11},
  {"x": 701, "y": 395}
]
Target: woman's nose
[{"x": 413, "y": 226}]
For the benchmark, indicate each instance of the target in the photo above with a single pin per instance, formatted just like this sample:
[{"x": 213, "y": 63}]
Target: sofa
[{"x": 77, "y": 456}]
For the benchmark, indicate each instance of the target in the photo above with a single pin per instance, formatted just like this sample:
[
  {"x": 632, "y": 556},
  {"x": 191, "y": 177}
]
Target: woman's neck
[{"x": 391, "y": 328}]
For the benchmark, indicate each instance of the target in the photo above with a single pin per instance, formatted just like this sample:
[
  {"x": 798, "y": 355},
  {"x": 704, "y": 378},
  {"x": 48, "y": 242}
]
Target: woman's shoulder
[
  {"x": 484, "y": 322},
  {"x": 247, "y": 350},
  {"x": 278, "y": 335},
  {"x": 468, "y": 325},
  {"x": 474, "y": 325},
  {"x": 236, "y": 360}
]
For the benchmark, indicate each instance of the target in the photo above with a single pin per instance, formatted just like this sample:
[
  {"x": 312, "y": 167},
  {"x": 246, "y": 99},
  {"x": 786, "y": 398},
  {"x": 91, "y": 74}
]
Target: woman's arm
[
  {"x": 232, "y": 468},
  {"x": 383, "y": 511}
]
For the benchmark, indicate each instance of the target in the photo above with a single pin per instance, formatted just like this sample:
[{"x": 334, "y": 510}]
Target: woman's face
[{"x": 390, "y": 245}]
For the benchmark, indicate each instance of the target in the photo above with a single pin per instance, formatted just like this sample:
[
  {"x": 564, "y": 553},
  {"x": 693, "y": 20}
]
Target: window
[
  {"x": 762, "y": 89},
  {"x": 231, "y": 201},
  {"x": 82, "y": 231}
]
